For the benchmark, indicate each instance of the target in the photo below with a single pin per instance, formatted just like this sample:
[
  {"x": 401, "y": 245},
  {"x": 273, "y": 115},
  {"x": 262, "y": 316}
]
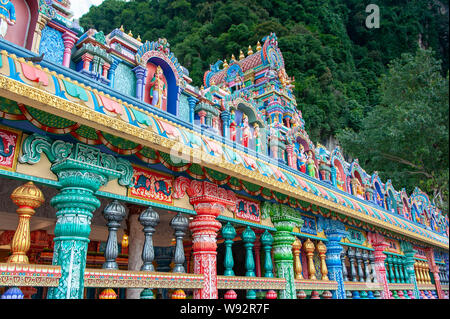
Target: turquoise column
[
  {"x": 228, "y": 233},
  {"x": 267, "y": 241},
  {"x": 395, "y": 265},
  {"x": 409, "y": 262},
  {"x": 192, "y": 102},
  {"x": 81, "y": 171},
  {"x": 284, "y": 219},
  {"x": 249, "y": 237}
]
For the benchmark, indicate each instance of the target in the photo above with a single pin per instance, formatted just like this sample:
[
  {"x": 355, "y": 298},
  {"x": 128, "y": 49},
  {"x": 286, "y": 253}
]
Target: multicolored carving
[
  {"x": 7, "y": 16},
  {"x": 247, "y": 209},
  {"x": 152, "y": 186},
  {"x": 9, "y": 140}
]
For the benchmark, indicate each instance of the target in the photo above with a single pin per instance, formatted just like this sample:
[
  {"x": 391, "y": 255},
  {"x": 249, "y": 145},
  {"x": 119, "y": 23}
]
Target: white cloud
[{"x": 80, "y": 7}]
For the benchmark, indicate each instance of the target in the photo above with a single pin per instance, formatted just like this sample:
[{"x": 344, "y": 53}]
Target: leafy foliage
[{"x": 405, "y": 137}]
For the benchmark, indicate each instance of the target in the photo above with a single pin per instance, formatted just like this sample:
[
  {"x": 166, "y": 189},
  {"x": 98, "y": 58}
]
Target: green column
[
  {"x": 81, "y": 171},
  {"x": 284, "y": 219},
  {"x": 249, "y": 237},
  {"x": 391, "y": 269},
  {"x": 409, "y": 262},
  {"x": 267, "y": 241},
  {"x": 228, "y": 233},
  {"x": 397, "y": 274}
]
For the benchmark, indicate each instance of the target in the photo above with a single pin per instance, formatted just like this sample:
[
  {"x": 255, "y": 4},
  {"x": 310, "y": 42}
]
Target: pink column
[
  {"x": 290, "y": 156},
  {"x": 256, "y": 250},
  {"x": 69, "y": 41},
  {"x": 379, "y": 244},
  {"x": 435, "y": 271},
  {"x": 202, "y": 115},
  {"x": 208, "y": 200},
  {"x": 106, "y": 67},
  {"x": 87, "y": 59}
]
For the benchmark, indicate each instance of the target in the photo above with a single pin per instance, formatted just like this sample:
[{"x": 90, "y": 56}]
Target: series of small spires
[
  {"x": 130, "y": 33},
  {"x": 241, "y": 54}
]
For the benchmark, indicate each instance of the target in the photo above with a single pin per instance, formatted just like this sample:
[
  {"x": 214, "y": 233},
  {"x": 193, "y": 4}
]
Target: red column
[
  {"x": 257, "y": 251},
  {"x": 87, "y": 58},
  {"x": 290, "y": 156},
  {"x": 379, "y": 244},
  {"x": 69, "y": 41},
  {"x": 435, "y": 271},
  {"x": 209, "y": 201}
]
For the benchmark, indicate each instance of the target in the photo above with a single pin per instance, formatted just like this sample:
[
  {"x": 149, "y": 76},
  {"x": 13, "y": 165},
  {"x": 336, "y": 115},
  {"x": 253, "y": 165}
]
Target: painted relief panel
[
  {"x": 248, "y": 209},
  {"x": 183, "y": 108},
  {"x": 9, "y": 143},
  {"x": 152, "y": 186},
  {"x": 156, "y": 87},
  {"x": 125, "y": 81},
  {"x": 394, "y": 246},
  {"x": 52, "y": 45},
  {"x": 309, "y": 225}
]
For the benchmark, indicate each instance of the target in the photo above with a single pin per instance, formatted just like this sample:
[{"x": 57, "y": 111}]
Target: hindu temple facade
[{"x": 120, "y": 179}]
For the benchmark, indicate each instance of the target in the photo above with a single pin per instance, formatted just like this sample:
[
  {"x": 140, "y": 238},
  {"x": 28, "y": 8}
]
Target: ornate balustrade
[
  {"x": 12, "y": 274},
  {"x": 245, "y": 282},
  {"x": 106, "y": 278}
]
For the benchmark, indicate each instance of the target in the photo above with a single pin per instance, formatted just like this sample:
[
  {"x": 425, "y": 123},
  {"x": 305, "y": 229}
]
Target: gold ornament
[
  {"x": 27, "y": 197},
  {"x": 241, "y": 55},
  {"x": 322, "y": 249},
  {"x": 121, "y": 28},
  {"x": 258, "y": 47},
  {"x": 296, "y": 246},
  {"x": 250, "y": 51},
  {"x": 225, "y": 64},
  {"x": 309, "y": 249}
]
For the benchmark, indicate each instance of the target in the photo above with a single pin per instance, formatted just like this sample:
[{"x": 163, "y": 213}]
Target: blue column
[
  {"x": 141, "y": 74},
  {"x": 112, "y": 70},
  {"x": 192, "y": 102},
  {"x": 335, "y": 231},
  {"x": 225, "y": 116}
]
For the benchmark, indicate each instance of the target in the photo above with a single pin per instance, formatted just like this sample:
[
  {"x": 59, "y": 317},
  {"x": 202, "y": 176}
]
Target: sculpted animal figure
[{"x": 161, "y": 186}]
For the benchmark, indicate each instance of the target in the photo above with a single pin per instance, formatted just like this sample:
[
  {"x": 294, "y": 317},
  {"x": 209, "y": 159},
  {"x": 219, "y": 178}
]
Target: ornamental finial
[
  {"x": 233, "y": 58},
  {"x": 250, "y": 50},
  {"x": 241, "y": 55},
  {"x": 130, "y": 33},
  {"x": 139, "y": 38},
  {"x": 121, "y": 28},
  {"x": 225, "y": 64},
  {"x": 258, "y": 46}
]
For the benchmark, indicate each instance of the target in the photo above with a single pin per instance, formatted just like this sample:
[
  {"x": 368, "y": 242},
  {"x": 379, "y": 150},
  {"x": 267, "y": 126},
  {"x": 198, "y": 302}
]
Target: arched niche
[
  {"x": 22, "y": 32},
  {"x": 241, "y": 107},
  {"x": 170, "y": 80}
]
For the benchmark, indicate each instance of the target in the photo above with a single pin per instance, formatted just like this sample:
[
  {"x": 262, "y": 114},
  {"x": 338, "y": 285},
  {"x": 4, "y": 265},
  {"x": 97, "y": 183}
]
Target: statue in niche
[
  {"x": 310, "y": 166},
  {"x": 158, "y": 88},
  {"x": 339, "y": 181},
  {"x": 301, "y": 159},
  {"x": 257, "y": 136},
  {"x": 232, "y": 126},
  {"x": 7, "y": 16},
  {"x": 238, "y": 82},
  {"x": 245, "y": 131}
]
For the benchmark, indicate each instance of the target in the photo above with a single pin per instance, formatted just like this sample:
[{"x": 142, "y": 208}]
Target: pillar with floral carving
[
  {"x": 209, "y": 201},
  {"x": 81, "y": 171},
  {"x": 435, "y": 271},
  {"x": 379, "y": 244}
]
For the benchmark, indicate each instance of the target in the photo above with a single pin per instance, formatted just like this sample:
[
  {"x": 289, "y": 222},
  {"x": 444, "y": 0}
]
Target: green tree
[{"x": 406, "y": 136}]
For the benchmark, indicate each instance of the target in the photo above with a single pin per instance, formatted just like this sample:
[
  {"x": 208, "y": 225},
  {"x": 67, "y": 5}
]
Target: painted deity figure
[
  {"x": 310, "y": 166},
  {"x": 7, "y": 16},
  {"x": 232, "y": 126},
  {"x": 245, "y": 131},
  {"x": 257, "y": 137},
  {"x": 301, "y": 159},
  {"x": 339, "y": 181},
  {"x": 158, "y": 88}
]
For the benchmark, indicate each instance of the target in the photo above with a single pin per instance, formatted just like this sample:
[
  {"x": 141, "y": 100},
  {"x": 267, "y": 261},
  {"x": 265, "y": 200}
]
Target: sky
[{"x": 80, "y": 7}]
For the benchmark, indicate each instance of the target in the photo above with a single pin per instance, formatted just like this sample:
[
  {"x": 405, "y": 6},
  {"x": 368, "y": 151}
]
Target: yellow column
[
  {"x": 27, "y": 197},
  {"x": 40, "y": 25},
  {"x": 296, "y": 246},
  {"x": 322, "y": 249},
  {"x": 309, "y": 249}
]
